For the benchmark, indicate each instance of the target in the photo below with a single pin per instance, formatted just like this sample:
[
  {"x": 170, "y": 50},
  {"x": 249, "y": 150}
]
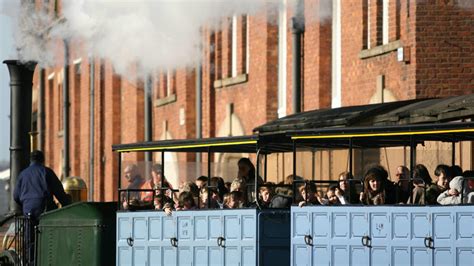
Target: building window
[
  {"x": 170, "y": 83},
  {"x": 239, "y": 45},
  {"x": 231, "y": 49},
  {"x": 165, "y": 88},
  {"x": 381, "y": 22}
]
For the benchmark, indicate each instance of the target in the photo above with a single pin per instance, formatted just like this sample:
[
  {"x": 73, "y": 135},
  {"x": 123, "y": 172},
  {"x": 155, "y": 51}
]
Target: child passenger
[
  {"x": 268, "y": 199},
  {"x": 233, "y": 200},
  {"x": 215, "y": 199},
  {"x": 334, "y": 196},
  {"x": 308, "y": 193},
  {"x": 186, "y": 201}
]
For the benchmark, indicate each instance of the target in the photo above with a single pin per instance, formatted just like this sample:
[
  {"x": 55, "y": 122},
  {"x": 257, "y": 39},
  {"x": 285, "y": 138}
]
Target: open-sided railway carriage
[
  {"x": 318, "y": 235},
  {"x": 326, "y": 235}
]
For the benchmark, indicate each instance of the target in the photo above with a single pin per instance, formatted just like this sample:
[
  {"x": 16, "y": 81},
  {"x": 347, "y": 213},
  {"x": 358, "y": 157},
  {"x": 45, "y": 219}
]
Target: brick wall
[
  {"x": 317, "y": 57},
  {"x": 445, "y": 49},
  {"x": 359, "y": 75}
]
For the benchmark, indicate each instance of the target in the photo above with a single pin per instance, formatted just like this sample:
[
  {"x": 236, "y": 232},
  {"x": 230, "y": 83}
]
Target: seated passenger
[
  {"x": 135, "y": 181},
  {"x": 403, "y": 184},
  {"x": 234, "y": 200},
  {"x": 374, "y": 192},
  {"x": 239, "y": 184},
  {"x": 334, "y": 196},
  {"x": 161, "y": 203},
  {"x": 423, "y": 190},
  {"x": 201, "y": 182},
  {"x": 218, "y": 183},
  {"x": 268, "y": 199},
  {"x": 215, "y": 199},
  {"x": 309, "y": 194},
  {"x": 347, "y": 189},
  {"x": 186, "y": 201},
  {"x": 389, "y": 188},
  {"x": 288, "y": 191},
  {"x": 453, "y": 194},
  {"x": 155, "y": 183},
  {"x": 190, "y": 187},
  {"x": 247, "y": 173},
  {"x": 443, "y": 172}
]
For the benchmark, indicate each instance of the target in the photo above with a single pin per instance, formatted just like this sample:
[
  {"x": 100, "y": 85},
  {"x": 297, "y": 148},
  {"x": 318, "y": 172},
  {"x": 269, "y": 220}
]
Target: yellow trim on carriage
[
  {"x": 157, "y": 148},
  {"x": 388, "y": 134}
]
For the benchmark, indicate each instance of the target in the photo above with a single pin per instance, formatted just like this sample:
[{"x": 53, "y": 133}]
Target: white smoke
[
  {"x": 465, "y": 4},
  {"x": 154, "y": 34},
  {"x": 148, "y": 34}
]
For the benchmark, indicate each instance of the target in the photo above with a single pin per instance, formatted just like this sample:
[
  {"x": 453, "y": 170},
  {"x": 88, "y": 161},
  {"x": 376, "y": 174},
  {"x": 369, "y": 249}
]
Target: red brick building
[{"x": 353, "y": 52}]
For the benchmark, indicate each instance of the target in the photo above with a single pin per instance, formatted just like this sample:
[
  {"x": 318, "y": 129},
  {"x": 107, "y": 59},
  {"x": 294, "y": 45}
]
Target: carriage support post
[
  {"x": 412, "y": 163},
  {"x": 208, "y": 177}
]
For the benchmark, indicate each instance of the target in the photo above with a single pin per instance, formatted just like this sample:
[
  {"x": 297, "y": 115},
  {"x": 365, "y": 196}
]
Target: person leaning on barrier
[{"x": 36, "y": 186}]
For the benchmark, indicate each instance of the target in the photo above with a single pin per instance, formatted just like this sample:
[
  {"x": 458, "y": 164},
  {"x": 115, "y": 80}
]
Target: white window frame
[
  {"x": 169, "y": 85},
  {"x": 247, "y": 44},
  {"x": 368, "y": 24},
  {"x": 385, "y": 21},
  {"x": 282, "y": 59},
  {"x": 234, "y": 46},
  {"x": 336, "y": 100}
]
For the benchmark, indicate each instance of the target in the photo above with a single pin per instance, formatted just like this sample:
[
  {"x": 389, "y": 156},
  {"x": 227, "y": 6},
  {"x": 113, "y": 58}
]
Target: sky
[{"x": 6, "y": 52}]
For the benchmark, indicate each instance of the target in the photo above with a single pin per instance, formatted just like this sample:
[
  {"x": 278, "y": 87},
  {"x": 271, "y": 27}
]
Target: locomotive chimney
[{"x": 21, "y": 82}]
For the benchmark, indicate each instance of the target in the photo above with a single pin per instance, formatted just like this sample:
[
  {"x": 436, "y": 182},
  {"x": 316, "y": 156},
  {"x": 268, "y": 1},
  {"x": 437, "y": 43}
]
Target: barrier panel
[
  {"x": 204, "y": 237},
  {"x": 382, "y": 235}
]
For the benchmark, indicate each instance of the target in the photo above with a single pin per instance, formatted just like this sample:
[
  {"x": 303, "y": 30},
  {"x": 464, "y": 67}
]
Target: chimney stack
[{"x": 21, "y": 83}]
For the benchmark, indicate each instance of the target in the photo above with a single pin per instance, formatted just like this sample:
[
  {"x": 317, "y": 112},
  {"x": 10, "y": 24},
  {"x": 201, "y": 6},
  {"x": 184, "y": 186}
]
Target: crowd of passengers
[{"x": 452, "y": 186}]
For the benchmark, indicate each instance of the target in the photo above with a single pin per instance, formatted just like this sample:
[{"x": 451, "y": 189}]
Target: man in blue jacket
[
  {"x": 34, "y": 192},
  {"x": 36, "y": 186}
]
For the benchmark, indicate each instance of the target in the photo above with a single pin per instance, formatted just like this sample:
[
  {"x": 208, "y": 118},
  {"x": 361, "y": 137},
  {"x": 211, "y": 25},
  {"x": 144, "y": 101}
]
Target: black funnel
[{"x": 21, "y": 83}]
